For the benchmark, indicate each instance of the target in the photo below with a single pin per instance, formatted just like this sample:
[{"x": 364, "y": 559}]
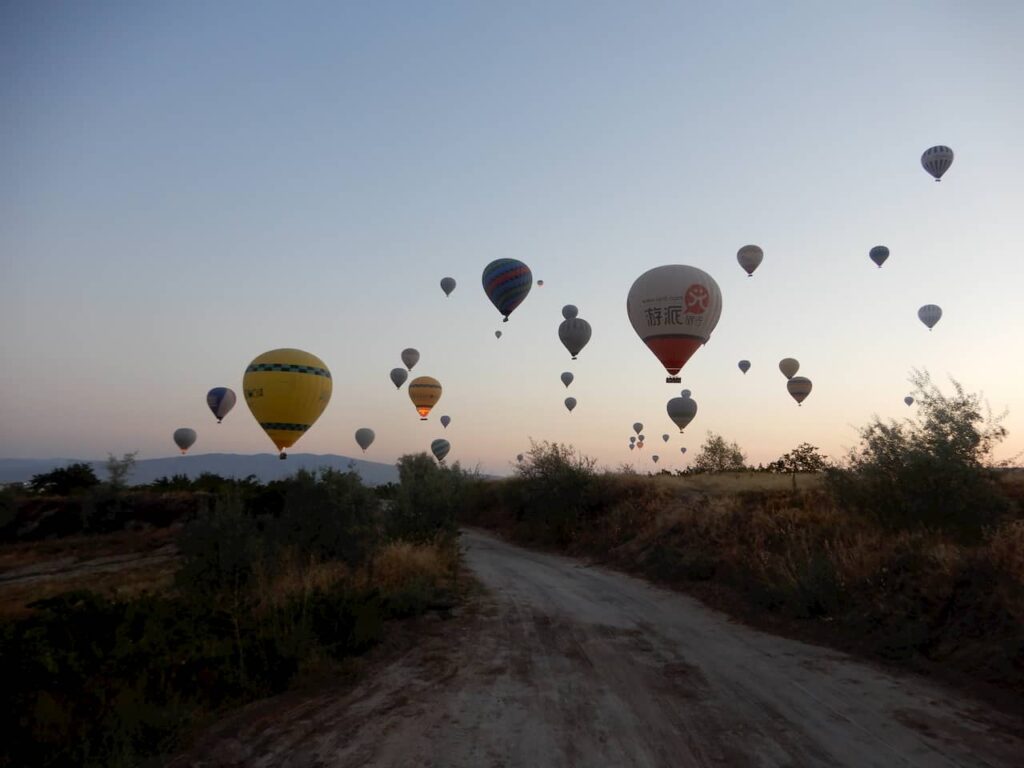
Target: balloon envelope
[
  {"x": 930, "y": 314},
  {"x": 574, "y": 335},
  {"x": 674, "y": 309},
  {"x": 506, "y": 283},
  {"x": 567, "y": 378},
  {"x": 445, "y": 421},
  {"x": 447, "y": 285},
  {"x": 665, "y": 438},
  {"x": 908, "y": 400},
  {"x": 682, "y": 450},
  {"x": 879, "y": 254},
  {"x": 936, "y": 160},
  {"x": 286, "y": 390},
  {"x": 569, "y": 311},
  {"x": 424, "y": 391},
  {"x": 749, "y": 257},
  {"x": 681, "y": 410},
  {"x": 184, "y": 438},
  {"x": 789, "y": 366},
  {"x": 638, "y": 427},
  {"x": 398, "y": 377},
  {"x": 440, "y": 448},
  {"x": 364, "y": 438},
  {"x": 799, "y": 387},
  {"x": 655, "y": 458},
  {"x": 220, "y": 400},
  {"x": 519, "y": 457},
  {"x": 497, "y": 334},
  {"x": 410, "y": 357},
  {"x": 744, "y": 365},
  {"x": 570, "y": 403}
]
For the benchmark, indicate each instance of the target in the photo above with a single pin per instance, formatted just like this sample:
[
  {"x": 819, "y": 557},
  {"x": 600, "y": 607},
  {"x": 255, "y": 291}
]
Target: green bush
[{"x": 427, "y": 499}]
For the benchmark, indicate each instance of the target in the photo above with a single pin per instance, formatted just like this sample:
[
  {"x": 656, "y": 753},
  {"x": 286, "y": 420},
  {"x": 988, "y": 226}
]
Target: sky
[{"x": 188, "y": 185}]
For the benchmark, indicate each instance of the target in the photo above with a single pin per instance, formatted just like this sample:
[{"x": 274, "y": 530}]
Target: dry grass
[{"x": 401, "y": 565}]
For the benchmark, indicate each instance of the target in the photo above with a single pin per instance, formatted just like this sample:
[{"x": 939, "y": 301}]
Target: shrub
[
  {"x": 551, "y": 492},
  {"x": 427, "y": 499},
  {"x": 64, "y": 481},
  {"x": 717, "y": 455}
]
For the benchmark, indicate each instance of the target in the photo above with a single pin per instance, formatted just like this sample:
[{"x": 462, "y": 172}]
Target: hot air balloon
[
  {"x": 655, "y": 458},
  {"x": 665, "y": 438},
  {"x": 570, "y": 403},
  {"x": 799, "y": 387},
  {"x": 184, "y": 438},
  {"x": 930, "y": 314},
  {"x": 789, "y": 366},
  {"x": 569, "y": 311},
  {"x": 410, "y": 357},
  {"x": 497, "y": 334},
  {"x": 685, "y": 393},
  {"x": 640, "y": 438},
  {"x": 364, "y": 438},
  {"x": 424, "y": 392},
  {"x": 683, "y": 449},
  {"x": 447, "y": 285},
  {"x": 286, "y": 390},
  {"x": 440, "y": 449},
  {"x": 638, "y": 427},
  {"x": 220, "y": 400},
  {"x": 632, "y": 438},
  {"x": 640, "y": 444},
  {"x": 632, "y": 446},
  {"x": 506, "y": 283},
  {"x": 749, "y": 257},
  {"x": 937, "y": 160},
  {"x": 744, "y": 365},
  {"x": 567, "y": 378},
  {"x": 674, "y": 309},
  {"x": 879, "y": 254},
  {"x": 445, "y": 421},
  {"x": 908, "y": 400},
  {"x": 574, "y": 335},
  {"x": 519, "y": 457},
  {"x": 681, "y": 410},
  {"x": 540, "y": 283},
  {"x": 398, "y": 377}
]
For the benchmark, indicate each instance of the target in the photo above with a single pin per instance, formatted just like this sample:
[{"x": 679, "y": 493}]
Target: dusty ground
[{"x": 562, "y": 664}]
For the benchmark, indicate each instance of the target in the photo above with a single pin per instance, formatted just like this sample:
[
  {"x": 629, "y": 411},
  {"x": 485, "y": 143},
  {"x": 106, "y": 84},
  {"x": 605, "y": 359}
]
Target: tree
[
  {"x": 804, "y": 458},
  {"x": 65, "y": 481},
  {"x": 118, "y": 470},
  {"x": 717, "y": 455},
  {"x": 935, "y": 471}
]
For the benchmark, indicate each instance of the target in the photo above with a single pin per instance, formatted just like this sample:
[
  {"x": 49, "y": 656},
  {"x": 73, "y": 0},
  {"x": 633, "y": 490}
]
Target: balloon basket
[
  {"x": 673, "y": 380},
  {"x": 282, "y": 455}
]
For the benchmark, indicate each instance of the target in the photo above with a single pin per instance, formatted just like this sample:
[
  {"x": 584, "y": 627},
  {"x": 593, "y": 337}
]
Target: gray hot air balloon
[
  {"x": 569, "y": 311},
  {"x": 655, "y": 458},
  {"x": 398, "y": 377},
  {"x": 445, "y": 421},
  {"x": 683, "y": 449},
  {"x": 665, "y": 438},
  {"x": 937, "y": 160},
  {"x": 632, "y": 446},
  {"x": 908, "y": 400},
  {"x": 685, "y": 393},
  {"x": 640, "y": 439},
  {"x": 632, "y": 438},
  {"x": 447, "y": 285},
  {"x": 744, "y": 365},
  {"x": 567, "y": 378},
  {"x": 570, "y": 403},
  {"x": 410, "y": 357},
  {"x": 681, "y": 410},
  {"x": 799, "y": 387},
  {"x": 638, "y": 427},
  {"x": 879, "y": 254},
  {"x": 184, "y": 438},
  {"x": 440, "y": 449},
  {"x": 749, "y": 257},
  {"x": 497, "y": 334},
  {"x": 364, "y": 438},
  {"x": 930, "y": 314},
  {"x": 519, "y": 457},
  {"x": 574, "y": 335},
  {"x": 789, "y": 366}
]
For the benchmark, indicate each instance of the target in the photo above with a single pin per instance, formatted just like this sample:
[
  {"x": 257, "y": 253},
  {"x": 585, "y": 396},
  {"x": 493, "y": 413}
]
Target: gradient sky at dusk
[{"x": 187, "y": 185}]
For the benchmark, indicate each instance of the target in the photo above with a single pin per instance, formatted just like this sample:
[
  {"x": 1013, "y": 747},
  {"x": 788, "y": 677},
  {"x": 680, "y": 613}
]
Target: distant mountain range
[{"x": 266, "y": 466}]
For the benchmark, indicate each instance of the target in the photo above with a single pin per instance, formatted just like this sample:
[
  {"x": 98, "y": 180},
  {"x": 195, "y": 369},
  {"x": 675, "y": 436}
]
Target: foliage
[
  {"x": 804, "y": 458},
  {"x": 426, "y": 499},
  {"x": 64, "y": 481},
  {"x": 934, "y": 472},
  {"x": 717, "y": 455},
  {"x": 119, "y": 469}
]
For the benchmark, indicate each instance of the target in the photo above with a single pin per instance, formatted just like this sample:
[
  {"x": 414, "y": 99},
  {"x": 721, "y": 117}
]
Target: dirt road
[{"x": 570, "y": 665}]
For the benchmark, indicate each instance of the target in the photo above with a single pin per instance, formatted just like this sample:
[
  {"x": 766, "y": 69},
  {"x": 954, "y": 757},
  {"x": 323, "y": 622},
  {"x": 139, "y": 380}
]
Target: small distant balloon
[
  {"x": 936, "y": 160},
  {"x": 908, "y": 400},
  {"x": 574, "y": 335},
  {"x": 930, "y": 314},
  {"x": 569, "y": 311},
  {"x": 519, "y": 457},
  {"x": 440, "y": 448},
  {"x": 567, "y": 378},
  {"x": 789, "y": 366},
  {"x": 665, "y": 438},
  {"x": 632, "y": 446},
  {"x": 632, "y": 438},
  {"x": 685, "y": 393},
  {"x": 220, "y": 400},
  {"x": 364, "y": 438},
  {"x": 640, "y": 439},
  {"x": 570, "y": 403},
  {"x": 655, "y": 458},
  {"x": 424, "y": 392},
  {"x": 744, "y": 365},
  {"x": 398, "y": 377},
  {"x": 540, "y": 282},
  {"x": 445, "y": 421},
  {"x": 638, "y": 427},
  {"x": 799, "y": 388},
  {"x": 184, "y": 438},
  {"x": 683, "y": 449},
  {"x": 879, "y": 254},
  {"x": 749, "y": 257},
  {"x": 497, "y": 334},
  {"x": 447, "y": 285},
  {"x": 681, "y": 410},
  {"x": 410, "y": 357}
]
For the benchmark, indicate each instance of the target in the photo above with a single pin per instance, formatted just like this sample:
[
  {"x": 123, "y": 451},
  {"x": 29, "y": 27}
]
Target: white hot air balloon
[
  {"x": 410, "y": 357},
  {"x": 638, "y": 427},
  {"x": 799, "y": 387},
  {"x": 681, "y": 410},
  {"x": 447, "y": 285},
  {"x": 936, "y": 160},
  {"x": 445, "y": 421},
  {"x": 574, "y": 335},
  {"x": 789, "y": 366},
  {"x": 744, "y": 365},
  {"x": 908, "y": 400},
  {"x": 364, "y": 438},
  {"x": 673, "y": 310},
  {"x": 930, "y": 314},
  {"x": 184, "y": 438},
  {"x": 570, "y": 403},
  {"x": 569, "y": 311},
  {"x": 879, "y": 254},
  {"x": 440, "y": 448},
  {"x": 398, "y": 377},
  {"x": 749, "y": 257},
  {"x": 567, "y": 378},
  {"x": 665, "y": 438}
]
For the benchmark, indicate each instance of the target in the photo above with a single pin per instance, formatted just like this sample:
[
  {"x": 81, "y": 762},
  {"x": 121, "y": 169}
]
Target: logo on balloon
[{"x": 696, "y": 299}]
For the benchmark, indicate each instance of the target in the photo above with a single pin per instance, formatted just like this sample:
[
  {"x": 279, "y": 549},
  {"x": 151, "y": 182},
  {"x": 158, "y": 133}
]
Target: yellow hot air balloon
[
  {"x": 286, "y": 390},
  {"x": 424, "y": 392}
]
